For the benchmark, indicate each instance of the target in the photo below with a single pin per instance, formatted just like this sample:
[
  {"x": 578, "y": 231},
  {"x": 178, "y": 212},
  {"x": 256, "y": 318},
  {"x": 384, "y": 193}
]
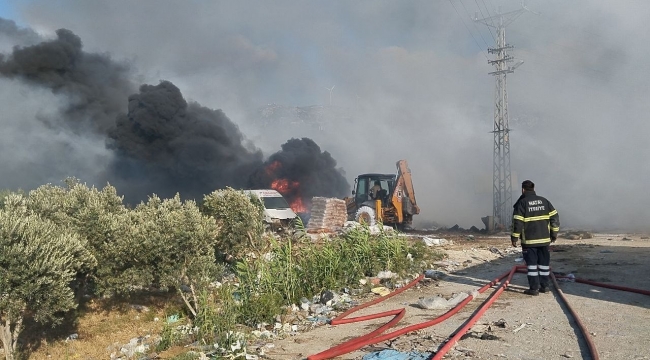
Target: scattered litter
[
  {"x": 363, "y": 281},
  {"x": 567, "y": 355},
  {"x": 172, "y": 319},
  {"x": 436, "y": 302},
  {"x": 467, "y": 352},
  {"x": 381, "y": 291},
  {"x": 326, "y": 297},
  {"x": 74, "y": 336},
  {"x": 521, "y": 327},
  {"x": 386, "y": 275},
  {"x": 434, "y": 241},
  {"x": 500, "y": 323},
  {"x": 519, "y": 259},
  {"x": 627, "y": 239},
  {"x": 486, "y": 336},
  {"x": 470, "y": 237},
  {"x": 577, "y": 235},
  {"x": 434, "y": 274},
  {"x": 390, "y": 354},
  {"x": 138, "y": 345},
  {"x": 439, "y": 302},
  {"x": 568, "y": 278},
  {"x": 496, "y": 251}
]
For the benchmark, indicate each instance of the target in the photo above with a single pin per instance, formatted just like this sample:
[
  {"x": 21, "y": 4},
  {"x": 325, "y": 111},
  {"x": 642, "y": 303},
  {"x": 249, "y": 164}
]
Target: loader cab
[{"x": 363, "y": 184}]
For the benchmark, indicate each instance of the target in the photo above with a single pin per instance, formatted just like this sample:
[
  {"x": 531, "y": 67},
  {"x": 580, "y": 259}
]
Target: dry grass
[{"x": 101, "y": 325}]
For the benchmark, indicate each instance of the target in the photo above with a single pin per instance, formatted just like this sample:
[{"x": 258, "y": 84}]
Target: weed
[
  {"x": 174, "y": 334},
  {"x": 190, "y": 355},
  {"x": 277, "y": 278}
]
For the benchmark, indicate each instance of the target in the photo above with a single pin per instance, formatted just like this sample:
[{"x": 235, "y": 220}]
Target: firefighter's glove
[
  {"x": 514, "y": 241},
  {"x": 553, "y": 238}
]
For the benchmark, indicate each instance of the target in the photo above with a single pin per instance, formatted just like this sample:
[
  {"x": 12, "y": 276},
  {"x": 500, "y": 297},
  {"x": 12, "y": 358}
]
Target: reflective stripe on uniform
[
  {"x": 515, "y": 235},
  {"x": 556, "y": 229},
  {"x": 532, "y": 267},
  {"x": 533, "y": 273},
  {"x": 544, "y": 270},
  {"x": 536, "y": 218},
  {"x": 518, "y": 217},
  {"x": 554, "y": 212},
  {"x": 536, "y": 241}
]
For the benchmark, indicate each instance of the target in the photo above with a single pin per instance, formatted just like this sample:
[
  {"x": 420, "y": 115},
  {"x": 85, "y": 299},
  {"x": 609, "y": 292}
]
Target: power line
[
  {"x": 475, "y": 27},
  {"x": 466, "y": 27},
  {"x": 488, "y": 11},
  {"x": 479, "y": 9}
]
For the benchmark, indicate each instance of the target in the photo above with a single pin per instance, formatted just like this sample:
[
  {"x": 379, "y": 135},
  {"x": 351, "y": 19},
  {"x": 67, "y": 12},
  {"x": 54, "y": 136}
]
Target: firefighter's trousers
[{"x": 537, "y": 261}]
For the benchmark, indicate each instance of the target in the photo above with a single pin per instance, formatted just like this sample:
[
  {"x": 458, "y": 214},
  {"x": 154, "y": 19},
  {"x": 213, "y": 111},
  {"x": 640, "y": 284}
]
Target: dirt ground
[{"x": 618, "y": 321}]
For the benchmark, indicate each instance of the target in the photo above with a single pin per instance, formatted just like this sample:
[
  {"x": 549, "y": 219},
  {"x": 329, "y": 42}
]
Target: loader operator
[
  {"x": 537, "y": 223},
  {"x": 375, "y": 190}
]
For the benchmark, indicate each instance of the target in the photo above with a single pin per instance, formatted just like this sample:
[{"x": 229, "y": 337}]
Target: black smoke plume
[
  {"x": 161, "y": 143},
  {"x": 167, "y": 145},
  {"x": 95, "y": 86},
  {"x": 17, "y": 35}
]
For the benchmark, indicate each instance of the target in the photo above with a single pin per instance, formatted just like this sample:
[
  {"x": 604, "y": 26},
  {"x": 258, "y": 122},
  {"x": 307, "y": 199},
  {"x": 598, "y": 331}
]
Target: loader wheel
[{"x": 365, "y": 215}]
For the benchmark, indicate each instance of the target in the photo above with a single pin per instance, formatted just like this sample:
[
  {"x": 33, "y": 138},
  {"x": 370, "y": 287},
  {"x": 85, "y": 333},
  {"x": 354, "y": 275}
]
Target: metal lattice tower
[{"x": 501, "y": 175}]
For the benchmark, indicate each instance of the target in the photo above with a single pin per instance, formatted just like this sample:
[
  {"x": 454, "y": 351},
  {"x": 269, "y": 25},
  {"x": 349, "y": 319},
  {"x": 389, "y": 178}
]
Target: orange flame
[
  {"x": 283, "y": 186},
  {"x": 290, "y": 189},
  {"x": 297, "y": 206}
]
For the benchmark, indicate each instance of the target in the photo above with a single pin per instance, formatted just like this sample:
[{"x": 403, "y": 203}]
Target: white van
[{"x": 277, "y": 212}]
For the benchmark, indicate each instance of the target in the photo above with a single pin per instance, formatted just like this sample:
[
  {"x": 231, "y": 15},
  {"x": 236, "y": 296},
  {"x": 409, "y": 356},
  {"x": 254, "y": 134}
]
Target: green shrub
[
  {"x": 240, "y": 217},
  {"x": 38, "y": 260},
  {"x": 170, "y": 245},
  {"x": 96, "y": 216},
  {"x": 161, "y": 243}
]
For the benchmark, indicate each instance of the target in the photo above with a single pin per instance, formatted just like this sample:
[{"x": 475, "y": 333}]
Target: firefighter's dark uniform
[{"x": 537, "y": 223}]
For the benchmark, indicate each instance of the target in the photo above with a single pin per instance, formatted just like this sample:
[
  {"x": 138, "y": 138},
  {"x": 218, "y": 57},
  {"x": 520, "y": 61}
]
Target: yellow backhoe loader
[{"x": 385, "y": 198}]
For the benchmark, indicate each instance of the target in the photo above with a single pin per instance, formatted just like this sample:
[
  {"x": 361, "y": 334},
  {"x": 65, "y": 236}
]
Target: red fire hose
[
  {"x": 373, "y": 337},
  {"x": 477, "y": 315},
  {"x": 376, "y": 337},
  {"x": 581, "y": 326},
  {"x": 608, "y": 286}
]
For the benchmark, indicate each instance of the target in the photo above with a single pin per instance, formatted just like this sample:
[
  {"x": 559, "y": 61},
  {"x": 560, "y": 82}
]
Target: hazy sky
[{"x": 413, "y": 74}]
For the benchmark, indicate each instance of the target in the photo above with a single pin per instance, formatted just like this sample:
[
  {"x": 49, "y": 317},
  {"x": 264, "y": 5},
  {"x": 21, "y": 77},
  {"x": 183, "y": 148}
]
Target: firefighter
[{"x": 536, "y": 222}]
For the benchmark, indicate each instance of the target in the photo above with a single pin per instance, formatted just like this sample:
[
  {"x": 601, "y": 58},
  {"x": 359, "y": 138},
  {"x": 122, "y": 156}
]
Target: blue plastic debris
[
  {"x": 390, "y": 354},
  {"x": 172, "y": 319}
]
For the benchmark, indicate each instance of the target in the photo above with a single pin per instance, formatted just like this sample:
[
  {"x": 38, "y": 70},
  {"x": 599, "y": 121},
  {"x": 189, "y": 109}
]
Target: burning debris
[{"x": 301, "y": 171}]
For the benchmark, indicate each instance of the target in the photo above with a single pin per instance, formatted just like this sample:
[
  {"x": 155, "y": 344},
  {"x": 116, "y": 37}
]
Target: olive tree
[
  {"x": 97, "y": 216},
  {"x": 240, "y": 217},
  {"x": 170, "y": 246},
  {"x": 38, "y": 261}
]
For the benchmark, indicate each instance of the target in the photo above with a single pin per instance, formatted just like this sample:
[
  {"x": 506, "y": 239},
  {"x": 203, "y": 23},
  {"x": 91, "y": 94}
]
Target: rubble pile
[
  {"x": 135, "y": 348},
  {"x": 577, "y": 235},
  {"x": 327, "y": 213}
]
